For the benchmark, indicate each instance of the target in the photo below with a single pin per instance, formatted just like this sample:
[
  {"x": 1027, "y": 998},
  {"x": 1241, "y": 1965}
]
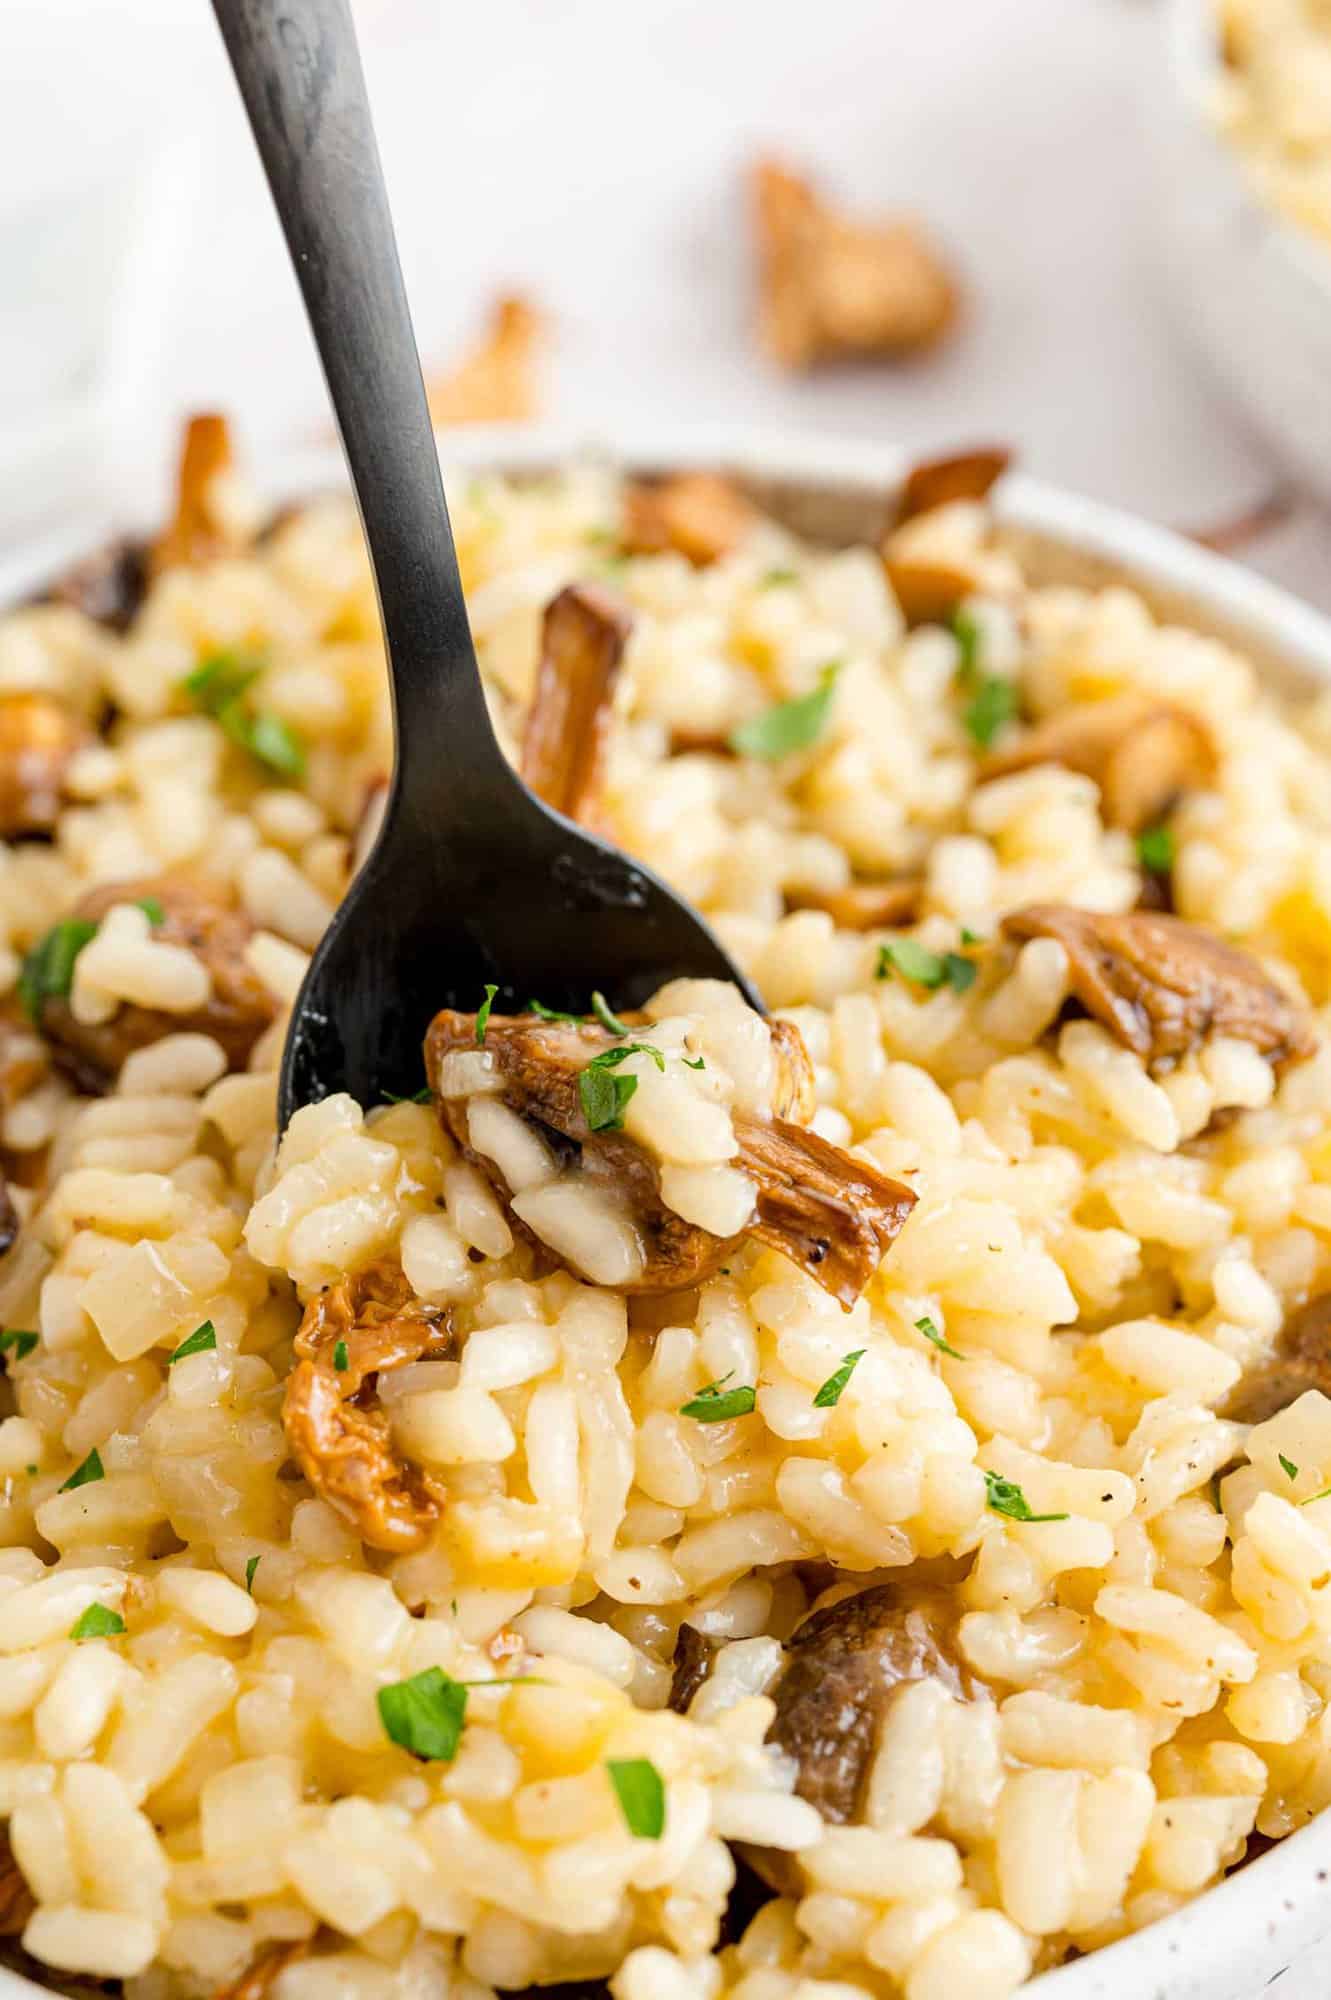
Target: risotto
[
  {"x": 786, "y": 1508},
  {"x": 1274, "y": 101}
]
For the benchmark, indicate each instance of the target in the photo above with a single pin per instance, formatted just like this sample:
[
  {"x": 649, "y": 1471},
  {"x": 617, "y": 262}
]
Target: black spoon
[{"x": 472, "y": 880}]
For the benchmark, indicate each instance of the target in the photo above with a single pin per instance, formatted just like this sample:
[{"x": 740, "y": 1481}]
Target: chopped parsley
[
  {"x": 612, "y": 1058},
  {"x": 20, "y": 1340},
  {"x": 341, "y": 1359},
  {"x": 1155, "y": 849},
  {"x": 697, "y": 1064},
  {"x": 201, "y": 1341},
  {"x": 829, "y": 1395},
  {"x": 773, "y": 578},
  {"x": 966, "y": 632},
  {"x": 970, "y": 937},
  {"x": 791, "y": 725},
  {"x": 1287, "y": 1466},
  {"x": 219, "y": 687},
  {"x": 483, "y": 1013},
  {"x": 1004, "y": 1496},
  {"x": 425, "y": 1714},
  {"x": 609, "y": 1021},
  {"x": 250, "y": 1568},
  {"x": 543, "y": 1013},
  {"x": 421, "y": 1096},
  {"x": 1325, "y": 1494},
  {"x": 48, "y": 969},
  {"x": 97, "y": 1623},
  {"x": 604, "y": 1097},
  {"x": 922, "y": 967},
  {"x": 152, "y": 910},
  {"x": 86, "y": 1474},
  {"x": 994, "y": 703},
  {"x": 717, "y": 1405},
  {"x": 641, "y": 1794},
  {"x": 930, "y": 1332}
]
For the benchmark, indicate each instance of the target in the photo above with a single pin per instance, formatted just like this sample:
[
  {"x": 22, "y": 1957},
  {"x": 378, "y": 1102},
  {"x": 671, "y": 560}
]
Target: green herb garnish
[
  {"x": 86, "y": 1474},
  {"x": 612, "y": 1058},
  {"x": 20, "y": 1340},
  {"x": 922, "y": 967},
  {"x": 970, "y": 937},
  {"x": 791, "y": 725},
  {"x": 966, "y": 632},
  {"x": 698, "y": 1064},
  {"x": 341, "y": 1359},
  {"x": 250, "y": 1568},
  {"x": 421, "y": 1096},
  {"x": 97, "y": 1623},
  {"x": 543, "y": 1013},
  {"x": 1287, "y": 1466},
  {"x": 201, "y": 1341},
  {"x": 425, "y": 1714},
  {"x": 930, "y": 1332},
  {"x": 772, "y": 578},
  {"x": 1004, "y": 1496},
  {"x": 1155, "y": 849},
  {"x": 483, "y": 1013},
  {"x": 604, "y": 1097},
  {"x": 995, "y": 703},
  {"x": 641, "y": 1795},
  {"x": 717, "y": 1405},
  {"x": 830, "y": 1394},
  {"x": 152, "y": 910},
  {"x": 48, "y": 969},
  {"x": 608, "y": 1020},
  {"x": 218, "y": 687}
]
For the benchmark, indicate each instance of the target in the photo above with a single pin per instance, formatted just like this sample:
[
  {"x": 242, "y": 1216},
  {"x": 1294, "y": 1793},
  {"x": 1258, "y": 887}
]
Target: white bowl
[
  {"x": 1251, "y": 288},
  {"x": 1236, "y": 1938}
]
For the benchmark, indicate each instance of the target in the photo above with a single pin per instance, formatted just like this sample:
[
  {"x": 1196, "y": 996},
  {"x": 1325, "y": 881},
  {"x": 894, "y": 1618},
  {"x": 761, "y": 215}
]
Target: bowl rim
[
  {"x": 1226, "y": 1930},
  {"x": 1194, "y": 68}
]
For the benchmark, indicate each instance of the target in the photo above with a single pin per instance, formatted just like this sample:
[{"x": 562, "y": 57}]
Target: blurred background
[{"x": 594, "y": 159}]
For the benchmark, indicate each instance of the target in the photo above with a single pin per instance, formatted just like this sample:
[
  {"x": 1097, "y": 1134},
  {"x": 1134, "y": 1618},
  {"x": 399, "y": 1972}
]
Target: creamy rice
[
  {"x": 1273, "y": 101},
  {"x": 1095, "y": 1260}
]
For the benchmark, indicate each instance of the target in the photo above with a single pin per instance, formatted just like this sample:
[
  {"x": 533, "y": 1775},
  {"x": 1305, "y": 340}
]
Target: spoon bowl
[{"x": 473, "y": 881}]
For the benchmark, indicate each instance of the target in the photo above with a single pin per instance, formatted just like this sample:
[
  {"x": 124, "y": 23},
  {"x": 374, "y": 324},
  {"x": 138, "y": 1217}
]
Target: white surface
[{"x": 593, "y": 155}]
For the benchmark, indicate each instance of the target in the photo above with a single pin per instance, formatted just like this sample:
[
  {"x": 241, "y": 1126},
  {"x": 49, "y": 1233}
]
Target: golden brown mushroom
[
  {"x": 692, "y": 1664},
  {"x": 494, "y": 382},
  {"x": 565, "y": 737},
  {"x": 962, "y": 475},
  {"x": 339, "y": 1436},
  {"x": 1142, "y": 753},
  {"x": 834, "y": 289},
  {"x": 196, "y": 532},
  {"x": 865, "y": 906},
  {"x": 17, "y": 1902},
  {"x": 107, "y": 586},
  {"x": 699, "y": 515},
  {"x": 1160, "y": 985},
  {"x": 39, "y": 738},
  {"x": 194, "y": 914},
  {"x": 1300, "y": 1361},
  {"x": 832, "y": 1214},
  {"x": 844, "y": 1665}
]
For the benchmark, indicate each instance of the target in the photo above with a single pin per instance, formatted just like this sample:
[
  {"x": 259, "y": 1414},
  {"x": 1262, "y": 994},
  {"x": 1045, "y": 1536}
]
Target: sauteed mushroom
[
  {"x": 698, "y": 514},
  {"x": 583, "y": 636},
  {"x": 1142, "y": 753},
  {"x": 39, "y": 738}
]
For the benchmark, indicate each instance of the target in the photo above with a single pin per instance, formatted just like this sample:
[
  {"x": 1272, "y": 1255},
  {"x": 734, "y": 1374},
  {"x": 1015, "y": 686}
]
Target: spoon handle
[{"x": 300, "y": 76}]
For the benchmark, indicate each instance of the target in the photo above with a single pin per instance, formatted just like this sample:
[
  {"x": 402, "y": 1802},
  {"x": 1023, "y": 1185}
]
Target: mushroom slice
[
  {"x": 194, "y": 914},
  {"x": 832, "y": 1214},
  {"x": 339, "y": 1436},
  {"x": 1301, "y": 1360},
  {"x": 494, "y": 382},
  {"x": 17, "y": 1901},
  {"x": 845, "y": 1664},
  {"x": 264, "y": 1970},
  {"x": 1160, "y": 985},
  {"x": 39, "y": 739},
  {"x": 793, "y": 1093},
  {"x": 564, "y": 740},
  {"x": 107, "y": 586},
  {"x": 834, "y": 289},
  {"x": 196, "y": 532},
  {"x": 865, "y": 906},
  {"x": 699, "y": 515},
  {"x": 692, "y": 1663},
  {"x": 964, "y": 475},
  {"x": 1141, "y": 752}
]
